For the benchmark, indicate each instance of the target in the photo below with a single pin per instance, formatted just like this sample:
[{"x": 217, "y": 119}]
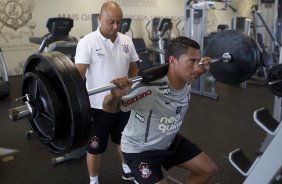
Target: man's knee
[{"x": 209, "y": 170}]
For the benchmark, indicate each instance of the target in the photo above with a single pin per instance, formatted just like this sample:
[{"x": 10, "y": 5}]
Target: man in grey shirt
[{"x": 151, "y": 138}]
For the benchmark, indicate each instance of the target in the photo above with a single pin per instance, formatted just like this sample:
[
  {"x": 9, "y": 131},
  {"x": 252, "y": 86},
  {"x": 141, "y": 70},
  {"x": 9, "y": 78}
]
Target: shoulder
[
  {"x": 89, "y": 36},
  {"x": 89, "y": 39}
]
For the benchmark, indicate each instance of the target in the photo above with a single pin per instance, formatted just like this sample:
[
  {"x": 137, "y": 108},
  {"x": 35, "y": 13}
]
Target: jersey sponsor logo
[
  {"x": 140, "y": 117},
  {"x": 136, "y": 98},
  {"x": 170, "y": 125},
  {"x": 165, "y": 91}
]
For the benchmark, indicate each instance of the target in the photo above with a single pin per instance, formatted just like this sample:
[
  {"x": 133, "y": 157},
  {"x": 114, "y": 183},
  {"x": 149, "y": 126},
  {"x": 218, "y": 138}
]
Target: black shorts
[
  {"x": 103, "y": 125},
  {"x": 146, "y": 166}
]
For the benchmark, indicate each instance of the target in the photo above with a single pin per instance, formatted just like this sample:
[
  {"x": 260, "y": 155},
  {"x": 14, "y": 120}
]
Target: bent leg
[{"x": 202, "y": 168}]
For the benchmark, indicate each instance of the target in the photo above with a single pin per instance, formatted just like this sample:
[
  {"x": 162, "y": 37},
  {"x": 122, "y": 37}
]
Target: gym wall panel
[{"x": 21, "y": 19}]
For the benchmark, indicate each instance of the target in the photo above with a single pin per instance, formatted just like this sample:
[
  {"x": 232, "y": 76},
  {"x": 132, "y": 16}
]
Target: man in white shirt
[{"x": 101, "y": 56}]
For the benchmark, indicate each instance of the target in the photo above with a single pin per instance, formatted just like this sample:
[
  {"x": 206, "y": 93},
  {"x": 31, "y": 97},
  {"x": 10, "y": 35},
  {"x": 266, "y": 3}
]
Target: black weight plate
[
  {"x": 81, "y": 114},
  {"x": 275, "y": 73},
  {"x": 72, "y": 92},
  {"x": 4, "y": 89},
  {"x": 47, "y": 121},
  {"x": 244, "y": 56}
]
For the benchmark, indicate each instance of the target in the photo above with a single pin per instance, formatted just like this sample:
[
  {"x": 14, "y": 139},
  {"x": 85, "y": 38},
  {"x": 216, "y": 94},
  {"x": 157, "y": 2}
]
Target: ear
[{"x": 171, "y": 59}]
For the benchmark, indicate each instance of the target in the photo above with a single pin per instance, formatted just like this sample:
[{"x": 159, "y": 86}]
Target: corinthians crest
[{"x": 14, "y": 14}]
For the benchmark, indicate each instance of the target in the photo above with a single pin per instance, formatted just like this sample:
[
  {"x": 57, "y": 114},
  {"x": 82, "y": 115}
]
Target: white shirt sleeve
[{"x": 83, "y": 51}]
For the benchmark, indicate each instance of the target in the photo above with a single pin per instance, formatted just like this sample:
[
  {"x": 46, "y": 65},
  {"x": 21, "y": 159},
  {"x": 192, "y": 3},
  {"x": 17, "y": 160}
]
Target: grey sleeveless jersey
[{"x": 157, "y": 112}]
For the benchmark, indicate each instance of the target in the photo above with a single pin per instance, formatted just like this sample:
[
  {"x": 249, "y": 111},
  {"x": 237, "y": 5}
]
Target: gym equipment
[
  {"x": 143, "y": 53},
  {"x": 4, "y": 78},
  {"x": 243, "y": 49},
  {"x": 277, "y": 108},
  {"x": 160, "y": 34},
  {"x": 57, "y": 102},
  {"x": 275, "y": 80},
  {"x": 125, "y": 25},
  {"x": 196, "y": 27},
  {"x": 59, "y": 28},
  {"x": 266, "y": 167},
  {"x": 95, "y": 21},
  {"x": 226, "y": 58}
]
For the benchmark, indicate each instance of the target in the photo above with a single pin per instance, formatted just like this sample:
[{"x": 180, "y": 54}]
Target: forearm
[
  {"x": 112, "y": 100},
  {"x": 111, "y": 104},
  {"x": 133, "y": 70}
]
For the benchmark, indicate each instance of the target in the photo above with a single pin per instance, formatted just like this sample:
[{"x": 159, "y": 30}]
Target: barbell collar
[
  {"x": 20, "y": 112},
  {"x": 110, "y": 86},
  {"x": 226, "y": 58}
]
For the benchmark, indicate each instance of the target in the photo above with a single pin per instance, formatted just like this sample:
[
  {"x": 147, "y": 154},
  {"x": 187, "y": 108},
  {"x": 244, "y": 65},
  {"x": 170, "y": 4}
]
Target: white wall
[
  {"x": 15, "y": 32},
  {"x": 14, "y": 37}
]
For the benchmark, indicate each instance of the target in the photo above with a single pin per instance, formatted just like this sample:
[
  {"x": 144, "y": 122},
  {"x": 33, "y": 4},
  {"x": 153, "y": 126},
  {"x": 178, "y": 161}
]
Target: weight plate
[
  {"x": 275, "y": 73},
  {"x": 81, "y": 112},
  {"x": 244, "y": 53},
  {"x": 47, "y": 120},
  {"x": 73, "y": 94}
]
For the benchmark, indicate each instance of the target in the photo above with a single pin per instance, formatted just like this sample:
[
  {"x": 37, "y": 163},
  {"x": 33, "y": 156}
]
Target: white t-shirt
[{"x": 107, "y": 61}]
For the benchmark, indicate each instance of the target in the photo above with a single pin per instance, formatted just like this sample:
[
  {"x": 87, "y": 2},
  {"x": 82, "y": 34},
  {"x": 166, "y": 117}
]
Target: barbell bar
[
  {"x": 57, "y": 103},
  {"x": 148, "y": 75},
  {"x": 226, "y": 58}
]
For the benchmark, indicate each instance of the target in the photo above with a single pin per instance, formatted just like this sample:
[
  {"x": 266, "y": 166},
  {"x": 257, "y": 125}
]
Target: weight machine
[
  {"x": 195, "y": 26},
  {"x": 267, "y": 166},
  {"x": 267, "y": 59},
  {"x": 161, "y": 31},
  {"x": 59, "y": 29},
  {"x": 4, "y": 78}
]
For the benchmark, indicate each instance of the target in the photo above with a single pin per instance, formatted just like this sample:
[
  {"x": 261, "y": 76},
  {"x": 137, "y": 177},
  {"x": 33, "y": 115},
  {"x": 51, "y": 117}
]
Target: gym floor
[{"x": 217, "y": 126}]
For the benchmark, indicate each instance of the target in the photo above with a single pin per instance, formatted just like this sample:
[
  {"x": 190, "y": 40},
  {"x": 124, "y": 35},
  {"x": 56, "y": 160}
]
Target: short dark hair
[{"x": 180, "y": 45}]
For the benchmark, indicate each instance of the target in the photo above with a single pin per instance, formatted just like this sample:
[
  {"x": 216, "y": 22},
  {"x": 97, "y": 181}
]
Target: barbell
[{"x": 56, "y": 101}]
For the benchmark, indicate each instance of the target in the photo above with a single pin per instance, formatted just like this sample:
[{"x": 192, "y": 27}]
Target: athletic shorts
[
  {"x": 146, "y": 166},
  {"x": 103, "y": 125}
]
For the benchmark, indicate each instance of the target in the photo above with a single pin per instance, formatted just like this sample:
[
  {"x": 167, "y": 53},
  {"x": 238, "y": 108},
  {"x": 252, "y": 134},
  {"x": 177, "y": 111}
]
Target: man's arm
[
  {"x": 111, "y": 101},
  {"x": 205, "y": 64},
  {"x": 82, "y": 69},
  {"x": 133, "y": 69}
]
